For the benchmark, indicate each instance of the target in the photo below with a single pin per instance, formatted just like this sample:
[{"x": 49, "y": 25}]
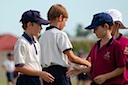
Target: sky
[{"x": 80, "y": 12}]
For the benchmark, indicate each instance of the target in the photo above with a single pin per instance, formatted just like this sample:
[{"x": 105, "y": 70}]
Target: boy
[
  {"x": 56, "y": 48},
  {"x": 107, "y": 57},
  {"x": 117, "y": 18},
  {"x": 27, "y": 51},
  {"x": 9, "y": 67}
]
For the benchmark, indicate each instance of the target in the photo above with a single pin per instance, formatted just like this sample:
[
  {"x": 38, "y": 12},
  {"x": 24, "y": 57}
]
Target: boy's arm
[
  {"x": 75, "y": 59},
  {"x": 30, "y": 72},
  {"x": 74, "y": 72},
  {"x": 102, "y": 78}
]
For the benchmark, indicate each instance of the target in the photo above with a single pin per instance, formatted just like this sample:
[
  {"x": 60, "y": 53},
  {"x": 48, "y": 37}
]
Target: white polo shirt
[
  {"x": 27, "y": 52},
  {"x": 9, "y": 65},
  {"x": 53, "y": 43}
]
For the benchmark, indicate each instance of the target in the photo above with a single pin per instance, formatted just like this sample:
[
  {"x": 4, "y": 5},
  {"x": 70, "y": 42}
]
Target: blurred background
[{"x": 80, "y": 16}]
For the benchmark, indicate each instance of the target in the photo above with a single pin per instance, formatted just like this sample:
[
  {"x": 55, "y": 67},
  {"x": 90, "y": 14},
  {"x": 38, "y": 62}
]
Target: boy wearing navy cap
[
  {"x": 56, "y": 48},
  {"x": 106, "y": 55},
  {"x": 27, "y": 51}
]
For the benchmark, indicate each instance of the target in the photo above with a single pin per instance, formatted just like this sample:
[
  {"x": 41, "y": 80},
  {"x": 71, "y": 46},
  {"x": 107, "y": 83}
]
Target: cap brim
[
  {"x": 42, "y": 21},
  {"x": 122, "y": 26},
  {"x": 92, "y": 26}
]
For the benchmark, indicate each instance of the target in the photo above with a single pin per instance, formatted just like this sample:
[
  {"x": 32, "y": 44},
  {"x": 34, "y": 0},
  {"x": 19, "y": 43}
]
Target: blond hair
[{"x": 57, "y": 10}]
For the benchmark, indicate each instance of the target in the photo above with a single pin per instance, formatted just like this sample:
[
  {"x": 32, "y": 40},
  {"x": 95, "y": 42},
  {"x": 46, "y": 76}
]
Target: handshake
[{"x": 78, "y": 66}]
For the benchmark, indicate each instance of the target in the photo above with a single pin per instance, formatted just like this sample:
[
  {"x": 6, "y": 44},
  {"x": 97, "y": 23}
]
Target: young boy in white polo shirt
[
  {"x": 56, "y": 48},
  {"x": 9, "y": 67},
  {"x": 27, "y": 51}
]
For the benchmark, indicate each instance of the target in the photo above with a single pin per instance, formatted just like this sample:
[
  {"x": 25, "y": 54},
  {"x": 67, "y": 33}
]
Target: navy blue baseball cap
[
  {"x": 33, "y": 16},
  {"x": 100, "y": 19}
]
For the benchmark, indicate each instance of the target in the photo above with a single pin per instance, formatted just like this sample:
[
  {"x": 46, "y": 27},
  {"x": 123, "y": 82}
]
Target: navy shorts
[
  {"x": 93, "y": 83},
  {"x": 59, "y": 73},
  {"x": 10, "y": 76},
  {"x": 28, "y": 80},
  {"x": 83, "y": 76}
]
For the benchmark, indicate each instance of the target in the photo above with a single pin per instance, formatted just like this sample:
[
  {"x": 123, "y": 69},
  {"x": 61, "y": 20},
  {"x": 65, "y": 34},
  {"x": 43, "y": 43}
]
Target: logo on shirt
[{"x": 107, "y": 55}]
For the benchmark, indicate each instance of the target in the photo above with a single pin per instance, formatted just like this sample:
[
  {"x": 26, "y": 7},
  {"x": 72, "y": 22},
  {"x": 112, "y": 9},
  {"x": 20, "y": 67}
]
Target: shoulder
[
  {"x": 124, "y": 38},
  {"x": 5, "y": 62},
  {"x": 116, "y": 42},
  {"x": 61, "y": 33},
  {"x": 21, "y": 40}
]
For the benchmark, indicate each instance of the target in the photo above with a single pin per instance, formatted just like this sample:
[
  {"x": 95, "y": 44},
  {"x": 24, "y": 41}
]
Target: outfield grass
[
  {"x": 73, "y": 80},
  {"x": 5, "y": 83}
]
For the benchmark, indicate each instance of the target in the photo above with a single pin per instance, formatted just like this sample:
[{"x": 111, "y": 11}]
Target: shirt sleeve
[
  {"x": 19, "y": 54},
  {"x": 119, "y": 56},
  {"x": 63, "y": 42},
  {"x": 4, "y": 63}
]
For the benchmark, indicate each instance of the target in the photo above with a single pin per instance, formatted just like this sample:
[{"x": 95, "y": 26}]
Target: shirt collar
[
  {"x": 119, "y": 37},
  {"x": 108, "y": 44},
  {"x": 50, "y": 27},
  {"x": 30, "y": 40}
]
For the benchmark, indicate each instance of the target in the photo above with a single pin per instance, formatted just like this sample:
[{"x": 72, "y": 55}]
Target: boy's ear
[
  {"x": 106, "y": 26},
  {"x": 60, "y": 18},
  {"x": 29, "y": 24}
]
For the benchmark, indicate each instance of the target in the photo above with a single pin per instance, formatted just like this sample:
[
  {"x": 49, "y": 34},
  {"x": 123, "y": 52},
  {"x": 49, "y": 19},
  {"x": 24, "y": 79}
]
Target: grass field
[{"x": 5, "y": 83}]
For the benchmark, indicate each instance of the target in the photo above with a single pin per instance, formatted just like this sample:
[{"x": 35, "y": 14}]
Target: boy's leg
[{"x": 10, "y": 78}]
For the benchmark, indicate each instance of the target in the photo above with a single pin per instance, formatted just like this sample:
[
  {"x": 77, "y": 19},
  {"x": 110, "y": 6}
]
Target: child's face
[
  {"x": 63, "y": 23},
  {"x": 100, "y": 32},
  {"x": 10, "y": 57},
  {"x": 36, "y": 29}
]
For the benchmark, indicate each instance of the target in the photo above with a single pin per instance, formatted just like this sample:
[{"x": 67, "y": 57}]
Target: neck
[
  {"x": 105, "y": 39},
  {"x": 117, "y": 35},
  {"x": 55, "y": 23},
  {"x": 29, "y": 34}
]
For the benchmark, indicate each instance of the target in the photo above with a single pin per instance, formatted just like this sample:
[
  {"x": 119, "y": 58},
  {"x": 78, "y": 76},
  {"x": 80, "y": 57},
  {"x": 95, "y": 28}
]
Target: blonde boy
[{"x": 56, "y": 49}]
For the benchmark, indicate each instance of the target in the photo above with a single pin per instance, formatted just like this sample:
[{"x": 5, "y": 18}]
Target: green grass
[
  {"x": 73, "y": 81},
  {"x": 3, "y": 83}
]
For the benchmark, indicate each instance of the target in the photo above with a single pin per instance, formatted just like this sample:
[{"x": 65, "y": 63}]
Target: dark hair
[
  {"x": 9, "y": 54},
  {"x": 24, "y": 26},
  {"x": 110, "y": 24}
]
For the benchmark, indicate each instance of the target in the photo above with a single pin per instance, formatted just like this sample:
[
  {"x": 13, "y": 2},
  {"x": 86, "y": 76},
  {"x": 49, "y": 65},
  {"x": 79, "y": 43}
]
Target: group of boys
[{"x": 48, "y": 59}]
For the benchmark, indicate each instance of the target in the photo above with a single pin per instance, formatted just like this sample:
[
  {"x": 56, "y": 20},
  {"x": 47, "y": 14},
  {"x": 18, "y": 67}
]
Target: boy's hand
[
  {"x": 126, "y": 51},
  {"x": 89, "y": 59},
  {"x": 78, "y": 66},
  {"x": 100, "y": 79},
  {"x": 46, "y": 76},
  {"x": 73, "y": 72}
]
